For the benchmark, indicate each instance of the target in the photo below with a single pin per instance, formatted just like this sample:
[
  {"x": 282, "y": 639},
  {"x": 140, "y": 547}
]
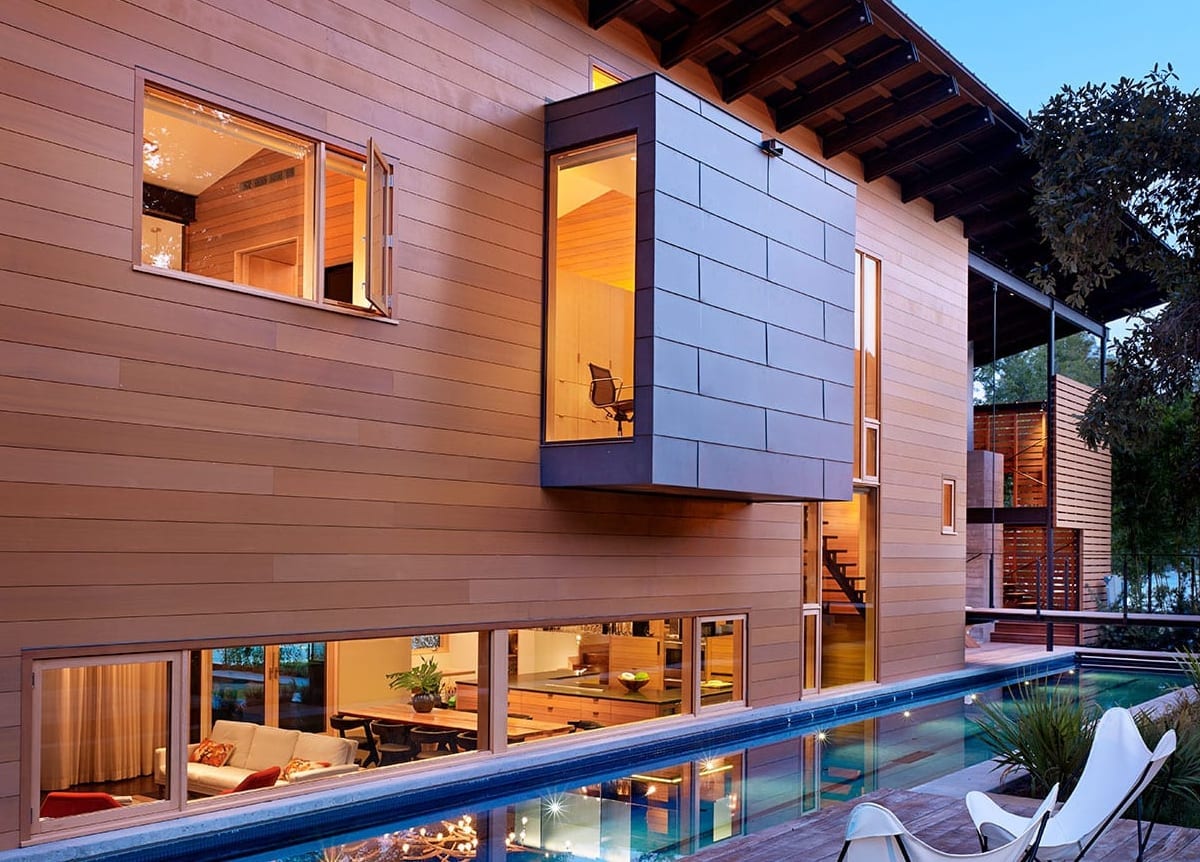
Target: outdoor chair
[
  {"x": 1119, "y": 767},
  {"x": 875, "y": 834}
]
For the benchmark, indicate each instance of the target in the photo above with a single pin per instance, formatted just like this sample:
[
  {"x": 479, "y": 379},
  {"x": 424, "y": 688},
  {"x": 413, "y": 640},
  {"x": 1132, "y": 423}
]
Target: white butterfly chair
[
  {"x": 875, "y": 834},
  {"x": 1118, "y": 768}
]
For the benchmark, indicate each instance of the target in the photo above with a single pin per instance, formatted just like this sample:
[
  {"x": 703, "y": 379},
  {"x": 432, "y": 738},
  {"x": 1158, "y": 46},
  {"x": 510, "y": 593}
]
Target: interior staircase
[{"x": 842, "y": 591}]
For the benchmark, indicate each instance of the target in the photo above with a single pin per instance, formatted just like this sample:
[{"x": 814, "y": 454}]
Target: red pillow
[
  {"x": 212, "y": 753},
  {"x": 257, "y": 780}
]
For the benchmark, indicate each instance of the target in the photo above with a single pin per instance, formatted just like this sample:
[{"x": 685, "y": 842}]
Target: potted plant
[{"x": 424, "y": 681}]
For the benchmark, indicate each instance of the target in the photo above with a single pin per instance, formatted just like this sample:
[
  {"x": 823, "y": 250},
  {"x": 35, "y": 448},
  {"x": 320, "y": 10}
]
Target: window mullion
[{"x": 316, "y": 212}]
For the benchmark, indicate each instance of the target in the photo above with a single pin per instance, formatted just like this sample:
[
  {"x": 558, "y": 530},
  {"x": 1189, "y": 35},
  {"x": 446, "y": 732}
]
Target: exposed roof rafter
[
  {"x": 793, "y": 111},
  {"x": 937, "y": 90},
  {"x": 801, "y": 43},
  {"x": 938, "y": 137},
  {"x": 995, "y": 186},
  {"x": 709, "y": 28},
  {"x": 600, "y": 12},
  {"x": 951, "y": 172}
]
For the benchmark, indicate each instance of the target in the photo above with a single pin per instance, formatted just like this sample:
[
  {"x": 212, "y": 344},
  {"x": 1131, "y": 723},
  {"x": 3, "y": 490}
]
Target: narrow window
[
  {"x": 237, "y": 200},
  {"x": 866, "y": 369},
  {"x": 589, "y": 305},
  {"x": 949, "y": 503}
]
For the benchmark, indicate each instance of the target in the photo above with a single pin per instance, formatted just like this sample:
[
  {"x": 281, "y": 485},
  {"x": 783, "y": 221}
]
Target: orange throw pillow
[
  {"x": 297, "y": 765},
  {"x": 212, "y": 753}
]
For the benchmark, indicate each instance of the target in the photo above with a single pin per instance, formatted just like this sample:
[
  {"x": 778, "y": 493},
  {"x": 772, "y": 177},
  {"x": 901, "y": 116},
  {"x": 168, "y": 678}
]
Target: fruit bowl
[{"x": 633, "y": 685}]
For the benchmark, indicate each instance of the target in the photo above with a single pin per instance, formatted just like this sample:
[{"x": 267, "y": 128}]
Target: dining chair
[
  {"x": 395, "y": 743},
  {"x": 434, "y": 743},
  {"x": 359, "y": 729}
]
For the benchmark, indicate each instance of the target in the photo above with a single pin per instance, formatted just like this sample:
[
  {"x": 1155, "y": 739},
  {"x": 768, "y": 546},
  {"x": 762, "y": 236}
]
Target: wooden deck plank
[{"x": 941, "y": 822}]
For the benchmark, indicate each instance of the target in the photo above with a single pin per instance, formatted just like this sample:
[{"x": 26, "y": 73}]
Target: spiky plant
[{"x": 1045, "y": 732}]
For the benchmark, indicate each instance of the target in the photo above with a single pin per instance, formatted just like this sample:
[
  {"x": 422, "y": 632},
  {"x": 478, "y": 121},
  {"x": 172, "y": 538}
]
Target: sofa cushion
[
  {"x": 319, "y": 746},
  {"x": 211, "y": 780},
  {"x": 211, "y": 753},
  {"x": 296, "y": 765},
  {"x": 271, "y": 746},
  {"x": 240, "y": 733}
]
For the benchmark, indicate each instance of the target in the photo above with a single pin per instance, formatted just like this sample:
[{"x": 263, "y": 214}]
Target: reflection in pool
[{"x": 656, "y": 812}]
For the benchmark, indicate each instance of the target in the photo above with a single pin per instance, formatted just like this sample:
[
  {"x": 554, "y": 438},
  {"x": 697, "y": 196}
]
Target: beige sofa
[{"x": 257, "y": 747}]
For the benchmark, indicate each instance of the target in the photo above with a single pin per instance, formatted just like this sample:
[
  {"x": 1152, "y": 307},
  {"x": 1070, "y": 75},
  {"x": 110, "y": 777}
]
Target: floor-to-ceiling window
[
  {"x": 842, "y": 538},
  {"x": 589, "y": 302}
]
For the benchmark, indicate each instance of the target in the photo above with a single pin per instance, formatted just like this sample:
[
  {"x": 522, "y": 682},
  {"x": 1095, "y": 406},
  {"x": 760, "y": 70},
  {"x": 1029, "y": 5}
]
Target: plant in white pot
[{"x": 424, "y": 681}]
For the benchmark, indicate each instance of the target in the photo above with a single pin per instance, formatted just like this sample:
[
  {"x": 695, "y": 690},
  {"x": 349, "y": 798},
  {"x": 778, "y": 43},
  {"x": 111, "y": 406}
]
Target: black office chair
[
  {"x": 348, "y": 727},
  {"x": 395, "y": 742},
  {"x": 606, "y": 393}
]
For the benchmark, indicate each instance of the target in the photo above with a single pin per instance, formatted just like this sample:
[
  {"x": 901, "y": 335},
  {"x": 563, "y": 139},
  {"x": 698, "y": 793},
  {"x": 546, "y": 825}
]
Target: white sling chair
[
  {"x": 875, "y": 834},
  {"x": 1118, "y": 768}
]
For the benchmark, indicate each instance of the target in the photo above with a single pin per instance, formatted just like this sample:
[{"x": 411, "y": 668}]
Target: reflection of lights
[
  {"x": 555, "y": 805},
  {"x": 150, "y": 154},
  {"x": 650, "y": 788},
  {"x": 456, "y": 841},
  {"x": 821, "y": 736},
  {"x": 907, "y": 713},
  {"x": 1071, "y": 671}
]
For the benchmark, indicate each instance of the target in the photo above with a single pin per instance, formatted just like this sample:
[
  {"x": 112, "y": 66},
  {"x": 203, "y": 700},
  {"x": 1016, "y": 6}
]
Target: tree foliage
[
  {"x": 1022, "y": 376},
  {"x": 1112, "y": 157}
]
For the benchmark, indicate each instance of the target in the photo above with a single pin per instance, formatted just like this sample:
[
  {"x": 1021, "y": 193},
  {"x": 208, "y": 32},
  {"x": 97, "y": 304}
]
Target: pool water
[{"x": 655, "y": 812}]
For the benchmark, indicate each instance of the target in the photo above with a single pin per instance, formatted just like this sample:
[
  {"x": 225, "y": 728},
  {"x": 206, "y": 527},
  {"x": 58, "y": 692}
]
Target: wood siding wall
[
  {"x": 1082, "y": 490},
  {"x": 923, "y": 437},
  {"x": 183, "y": 462}
]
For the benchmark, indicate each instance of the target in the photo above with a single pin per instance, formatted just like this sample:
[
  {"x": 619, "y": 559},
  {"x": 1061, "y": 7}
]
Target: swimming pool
[{"x": 668, "y": 808}]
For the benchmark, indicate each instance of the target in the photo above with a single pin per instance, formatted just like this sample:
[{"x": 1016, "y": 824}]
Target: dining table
[{"x": 517, "y": 729}]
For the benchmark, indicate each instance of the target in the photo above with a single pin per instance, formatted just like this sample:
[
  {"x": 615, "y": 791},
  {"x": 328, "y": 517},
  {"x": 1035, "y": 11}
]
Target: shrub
[{"x": 1046, "y": 732}]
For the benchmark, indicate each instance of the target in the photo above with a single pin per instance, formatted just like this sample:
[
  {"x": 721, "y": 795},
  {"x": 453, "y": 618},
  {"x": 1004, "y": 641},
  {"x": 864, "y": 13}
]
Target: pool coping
[{"x": 361, "y": 804}]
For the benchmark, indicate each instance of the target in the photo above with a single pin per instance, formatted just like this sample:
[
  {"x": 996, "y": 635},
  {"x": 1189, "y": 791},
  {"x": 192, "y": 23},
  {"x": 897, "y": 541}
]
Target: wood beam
[
  {"x": 794, "y": 110},
  {"x": 934, "y": 140},
  {"x": 797, "y": 46},
  {"x": 938, "y": 90},
  {"x": 981, "y": 223},
  {"x": 600, "y": 12},
  {"x": 989, "y": 189},
  {"x": 695, "y": 37},
  {"x": 960, "y": 168}
]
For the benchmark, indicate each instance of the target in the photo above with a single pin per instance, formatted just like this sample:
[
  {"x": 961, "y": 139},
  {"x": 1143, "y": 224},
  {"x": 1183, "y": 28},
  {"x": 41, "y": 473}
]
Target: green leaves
[{"x": 1046, "y": 732}]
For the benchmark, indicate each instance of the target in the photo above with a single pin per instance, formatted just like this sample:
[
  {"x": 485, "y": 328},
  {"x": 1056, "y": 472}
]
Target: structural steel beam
[
  {"x": 985, "y": 268},
  {"x": 796, "y": 109},
  {"x": 938, "y": 90},
  {"x": 705, "y": 30},
  {"x": 795, "y": 49},
  {"x": 937, "y": 138}
]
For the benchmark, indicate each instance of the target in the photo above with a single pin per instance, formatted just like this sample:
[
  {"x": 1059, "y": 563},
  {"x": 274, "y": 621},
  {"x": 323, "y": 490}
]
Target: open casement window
[
  {"x": 379, "y": 200},
  {"x": 231, "y": 199},
  {"x": 104, "y": 741}
]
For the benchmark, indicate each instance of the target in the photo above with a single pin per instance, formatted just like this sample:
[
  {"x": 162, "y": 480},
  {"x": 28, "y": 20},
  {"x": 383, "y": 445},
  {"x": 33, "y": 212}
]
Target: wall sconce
[{"x": 771, "y": 147}]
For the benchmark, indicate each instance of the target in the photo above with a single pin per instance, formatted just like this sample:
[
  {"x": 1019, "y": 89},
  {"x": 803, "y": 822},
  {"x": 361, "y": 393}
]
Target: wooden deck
[{"x": 942, "y": 823}]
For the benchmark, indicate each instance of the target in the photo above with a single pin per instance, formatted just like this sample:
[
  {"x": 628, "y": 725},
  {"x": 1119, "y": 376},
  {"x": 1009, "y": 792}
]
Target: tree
[
  {"x": 1022, "y": 376},
  {"x": 1118, "y": 188}
]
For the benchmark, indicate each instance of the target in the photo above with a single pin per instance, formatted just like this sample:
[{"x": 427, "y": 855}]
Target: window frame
[
  {"x": 950, "y": 514},
  {"x": 375, "y": 164},
  {"x": 33, "y": 828}
]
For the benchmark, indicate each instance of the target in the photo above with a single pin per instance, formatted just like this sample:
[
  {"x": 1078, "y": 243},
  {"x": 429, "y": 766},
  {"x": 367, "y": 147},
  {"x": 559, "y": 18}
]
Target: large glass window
[
  {"x": 849, "y": 556},
  {"x": 102, "y": 730},
  {"x": 595, "y": 675},
  {"x": 589, "y": 382},
  {"x": 866, "y": 368},
  {"x": 230, "y": 198}
]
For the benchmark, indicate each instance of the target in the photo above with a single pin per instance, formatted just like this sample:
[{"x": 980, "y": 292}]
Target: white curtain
[{"x": 102, "y": 722}]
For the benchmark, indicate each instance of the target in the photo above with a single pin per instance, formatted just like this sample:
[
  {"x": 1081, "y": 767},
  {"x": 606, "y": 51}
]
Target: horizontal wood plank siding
[
  {"x": 1083, "y": 491},
  {"x": 184, "y": 462}
]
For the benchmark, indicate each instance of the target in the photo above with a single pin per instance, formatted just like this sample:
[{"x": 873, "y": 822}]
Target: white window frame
[
  {"x": 32, "y": 826},
  {"x": 379, "y": 239}
]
